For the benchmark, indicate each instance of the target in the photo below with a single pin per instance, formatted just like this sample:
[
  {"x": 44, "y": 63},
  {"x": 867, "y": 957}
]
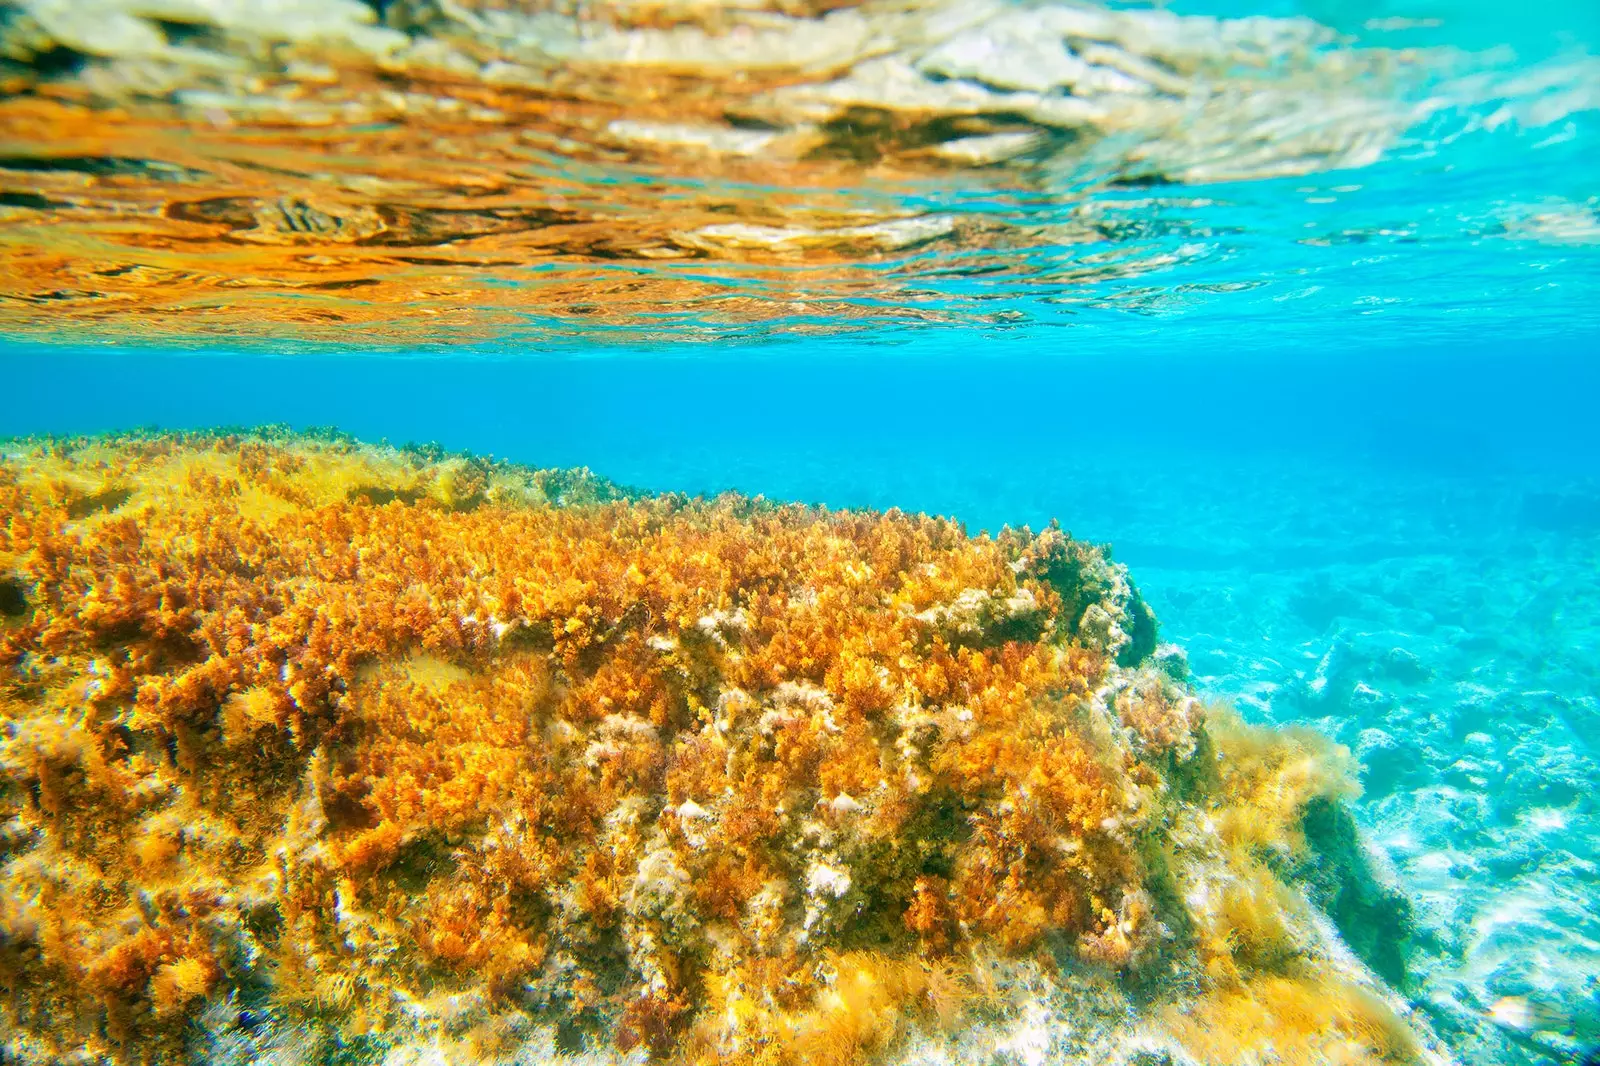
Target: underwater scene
[{"x": 816, "y": 532}]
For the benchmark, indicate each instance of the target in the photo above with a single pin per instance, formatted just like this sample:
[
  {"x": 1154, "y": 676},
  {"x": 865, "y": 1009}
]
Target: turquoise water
[
  {"x": 1401, "y": 549},
  {"x": 1342, "y": 426}
]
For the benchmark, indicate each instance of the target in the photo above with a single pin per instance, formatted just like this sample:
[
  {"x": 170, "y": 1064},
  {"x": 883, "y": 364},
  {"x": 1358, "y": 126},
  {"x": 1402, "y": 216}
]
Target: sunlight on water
[{"x": 499, "y": 173}]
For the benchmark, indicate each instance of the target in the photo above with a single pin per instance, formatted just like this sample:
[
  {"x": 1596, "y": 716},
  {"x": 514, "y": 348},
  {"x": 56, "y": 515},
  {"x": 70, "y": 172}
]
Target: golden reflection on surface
[{"x": 470, "y": 171}]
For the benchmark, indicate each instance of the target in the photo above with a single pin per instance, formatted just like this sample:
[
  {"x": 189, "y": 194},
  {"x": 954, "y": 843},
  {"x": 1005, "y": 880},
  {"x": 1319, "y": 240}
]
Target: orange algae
[{"x": 361, "y": 736}]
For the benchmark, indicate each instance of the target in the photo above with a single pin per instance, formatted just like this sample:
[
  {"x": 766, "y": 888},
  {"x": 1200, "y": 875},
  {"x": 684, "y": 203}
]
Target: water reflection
[{"x": 445, "y": 169}]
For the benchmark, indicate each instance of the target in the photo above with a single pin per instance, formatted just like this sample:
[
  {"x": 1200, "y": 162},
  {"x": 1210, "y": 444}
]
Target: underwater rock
[
  {"x": 311, "y": 746},
  {"x": 1389, "y": 762}
]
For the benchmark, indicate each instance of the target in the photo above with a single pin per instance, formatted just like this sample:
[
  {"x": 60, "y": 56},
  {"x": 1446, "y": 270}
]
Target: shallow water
[
  {"x": 1314, "y": 352},
  {"x": 1402, "y": 550}
]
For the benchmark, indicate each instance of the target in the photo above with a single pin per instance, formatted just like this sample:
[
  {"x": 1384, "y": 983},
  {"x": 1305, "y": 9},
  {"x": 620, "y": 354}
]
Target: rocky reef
[{"x": 315, "y": 751}]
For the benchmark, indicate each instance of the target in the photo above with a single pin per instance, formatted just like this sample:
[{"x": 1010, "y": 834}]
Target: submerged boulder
[{"x": 312, "y": 747}]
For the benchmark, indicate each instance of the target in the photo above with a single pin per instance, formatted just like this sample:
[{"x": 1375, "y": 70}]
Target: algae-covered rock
[{"x": 319, "y": 752}]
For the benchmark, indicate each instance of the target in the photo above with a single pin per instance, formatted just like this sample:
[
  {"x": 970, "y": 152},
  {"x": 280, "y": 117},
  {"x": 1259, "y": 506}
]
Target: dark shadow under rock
[{"x": 1373, "y": 916}]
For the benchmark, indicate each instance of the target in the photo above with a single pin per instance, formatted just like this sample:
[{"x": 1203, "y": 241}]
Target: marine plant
[
  {"x": 298, "y": 732},
  {"x": 1296, "y": 1022}
]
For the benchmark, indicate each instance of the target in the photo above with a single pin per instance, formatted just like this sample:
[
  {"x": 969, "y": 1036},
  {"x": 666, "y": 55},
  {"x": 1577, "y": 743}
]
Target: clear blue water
[
  {"x": 1401, "y": 548},
  {"x": 1346, "y": 438}
]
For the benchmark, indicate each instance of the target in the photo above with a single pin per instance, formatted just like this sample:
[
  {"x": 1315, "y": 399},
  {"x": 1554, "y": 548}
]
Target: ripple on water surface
[{"x": 505, "y": 172}]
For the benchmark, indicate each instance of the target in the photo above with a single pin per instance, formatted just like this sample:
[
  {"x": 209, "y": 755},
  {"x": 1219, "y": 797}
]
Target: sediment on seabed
[{"x": 312, "y": 748}]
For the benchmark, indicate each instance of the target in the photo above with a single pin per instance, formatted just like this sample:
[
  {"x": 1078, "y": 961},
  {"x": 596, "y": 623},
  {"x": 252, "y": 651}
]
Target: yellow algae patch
[
  {"x": 1295, "y": 1022},
  {"x": 301, "y": 736},
  {"x": 1267, "y": 776},
  {"x": 177, "y": 984}
]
